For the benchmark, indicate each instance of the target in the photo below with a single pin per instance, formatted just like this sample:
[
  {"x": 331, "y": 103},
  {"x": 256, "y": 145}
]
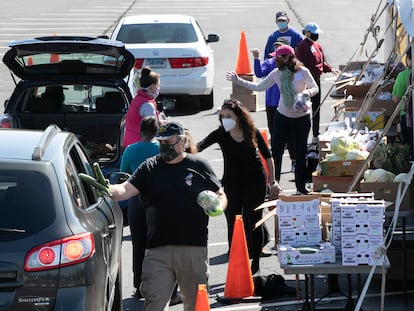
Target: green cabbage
[
  {"x": 341, "y": 145},
  {"x": 402, "y": 177},
  {"x": 210, "y": 203},
  {"x": 379, "y": 175},
  {"x": 356, "y": 154}
]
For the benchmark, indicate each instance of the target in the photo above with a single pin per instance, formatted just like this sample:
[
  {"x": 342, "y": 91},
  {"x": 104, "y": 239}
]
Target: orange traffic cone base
[{"x": 239, "y": 281}]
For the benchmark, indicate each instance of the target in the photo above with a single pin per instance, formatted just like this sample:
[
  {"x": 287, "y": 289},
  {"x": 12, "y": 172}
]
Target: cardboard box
[
  {"x": 248, "y": 100},
  {"x": 360, "y": 91},
  {"x": 321, "y": 253},
  {"x": 333, "y": 183},
  {"x": 387, "y": 191},
  {"x": 388, "y": 105},
  {"x": 341, "y": 168},
  {"x": 375, "y": 120}
]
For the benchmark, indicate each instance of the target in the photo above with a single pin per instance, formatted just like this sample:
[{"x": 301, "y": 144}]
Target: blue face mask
[{"x": 282, "y": 25}]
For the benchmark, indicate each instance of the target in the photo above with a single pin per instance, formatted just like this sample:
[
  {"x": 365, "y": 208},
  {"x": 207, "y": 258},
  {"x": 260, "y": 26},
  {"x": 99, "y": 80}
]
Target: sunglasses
[{"x": 229, "y": 103}]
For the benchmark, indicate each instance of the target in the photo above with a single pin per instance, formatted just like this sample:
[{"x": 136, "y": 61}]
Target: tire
[{"x": 207, "y": 101}]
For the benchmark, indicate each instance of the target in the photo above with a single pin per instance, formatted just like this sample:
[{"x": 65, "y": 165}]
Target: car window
[
  {"x": 26, "y": 203},
  {"x": 71, "y": 98},
  {"x": 157, "y": 33},
  {"x": 72, "y": 59},
  {"x": 81, "y": 164}
]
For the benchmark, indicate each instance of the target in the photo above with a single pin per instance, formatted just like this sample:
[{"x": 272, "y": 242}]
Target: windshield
[{"x": 157, "y": 33}]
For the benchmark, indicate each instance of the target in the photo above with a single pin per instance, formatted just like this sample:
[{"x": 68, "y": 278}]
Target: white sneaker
[{"x": 315, "y": 140}]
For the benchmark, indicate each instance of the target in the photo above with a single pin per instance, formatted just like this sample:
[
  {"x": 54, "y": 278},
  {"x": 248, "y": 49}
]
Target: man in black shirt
[{"x": 169, "y": 185}]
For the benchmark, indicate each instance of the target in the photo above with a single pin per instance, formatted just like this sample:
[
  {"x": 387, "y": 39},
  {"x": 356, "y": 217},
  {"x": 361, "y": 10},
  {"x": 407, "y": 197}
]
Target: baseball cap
[
  {"x": 281, "y": 16},
  {"x": 312, "y": 28},
  {"x": 280, "y": 41},
  {"x": 284, "y": 50},
  {"x": 169, "y": 129}
]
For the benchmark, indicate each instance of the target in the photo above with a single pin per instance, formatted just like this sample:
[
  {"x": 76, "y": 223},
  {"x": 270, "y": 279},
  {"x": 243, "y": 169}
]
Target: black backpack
[{"x": 272, "y": 286}]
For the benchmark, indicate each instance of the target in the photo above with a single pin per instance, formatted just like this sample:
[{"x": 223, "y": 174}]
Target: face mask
[
  {"x": 228, "y": 124},
  {"x": 282, "y": 25},
  {"x": 154, "y": 94},
  {"x": 314, "y": 36},
  {"x": 167, "y": 152}
]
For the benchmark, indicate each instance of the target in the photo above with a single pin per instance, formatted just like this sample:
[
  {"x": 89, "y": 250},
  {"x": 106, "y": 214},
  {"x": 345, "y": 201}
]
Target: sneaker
[
  {"x": 292, "y": 167},
  {"x": 315, "y": 140},
  {"x": 302, "y": 192},
  {"x": 137, "y": 294},
  {"x": 177, "y": 299}
]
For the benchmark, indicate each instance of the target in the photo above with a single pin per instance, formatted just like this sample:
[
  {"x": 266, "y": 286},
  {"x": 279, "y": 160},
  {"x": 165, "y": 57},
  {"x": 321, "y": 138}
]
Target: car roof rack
[{"x": 44, "y": 141}]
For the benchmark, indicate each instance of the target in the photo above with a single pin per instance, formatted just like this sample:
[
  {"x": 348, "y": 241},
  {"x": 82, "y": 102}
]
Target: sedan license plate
[{"x": 156, "y": 62}]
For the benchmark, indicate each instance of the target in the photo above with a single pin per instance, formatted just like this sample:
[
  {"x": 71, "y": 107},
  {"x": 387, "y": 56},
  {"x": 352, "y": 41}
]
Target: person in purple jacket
[
  {"x": 262, "y": 69},
  {"x": 292, "y": 36}
]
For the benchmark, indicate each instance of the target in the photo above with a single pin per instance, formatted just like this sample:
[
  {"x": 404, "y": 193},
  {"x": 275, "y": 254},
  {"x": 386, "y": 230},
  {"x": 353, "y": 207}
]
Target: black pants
[
  {"x": 242, "y": 200},
  {"x": 271, "y": 113},
  {"x": 299, "y": 128},
  {"x": 407, "y": 134},
  {"x": 316, "y": 111},
  {"x": 138, "y": 227}
]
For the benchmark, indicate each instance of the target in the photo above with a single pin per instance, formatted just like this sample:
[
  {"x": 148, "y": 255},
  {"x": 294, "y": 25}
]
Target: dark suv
[
  {"x": 76, "y": 83},
  {"x": 60, "y": 243}
]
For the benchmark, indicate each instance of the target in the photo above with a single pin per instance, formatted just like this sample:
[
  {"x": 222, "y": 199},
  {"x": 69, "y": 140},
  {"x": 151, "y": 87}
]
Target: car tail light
[
  {"x": 138, "y": 63},
  {"x": 188, "y": 62},
  {"x": 60, "y": 253},
  {"x": 6, "y": 121}
]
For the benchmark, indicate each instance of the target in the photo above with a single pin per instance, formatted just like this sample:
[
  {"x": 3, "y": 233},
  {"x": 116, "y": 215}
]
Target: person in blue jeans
[{"x": 262, "y": 69}]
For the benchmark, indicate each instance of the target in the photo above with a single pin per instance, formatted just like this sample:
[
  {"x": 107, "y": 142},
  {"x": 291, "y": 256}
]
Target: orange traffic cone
[
  {"x": 30, "y": 61},
  {"x": 54, "y": 58},
  {"x": 243, "y": 63},
  {"x": 202, "y": 299},
  {"x": 264, "y": 135},
  {"x": 239, "y": 281}
]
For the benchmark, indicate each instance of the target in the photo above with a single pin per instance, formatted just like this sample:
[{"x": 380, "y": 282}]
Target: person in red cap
[
  {"x": 262, "y": 69},
  {"x": 291, "y": 35},
  {"x": 310, "y": 53},
  {"x": 296, "y": 86}
]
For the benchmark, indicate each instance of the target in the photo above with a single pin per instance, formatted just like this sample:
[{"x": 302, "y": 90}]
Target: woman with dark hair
[
  {"x": 296, "y": 86},
  {"x": 244, "y": 179},
  {"x": 143, "y": 104}
]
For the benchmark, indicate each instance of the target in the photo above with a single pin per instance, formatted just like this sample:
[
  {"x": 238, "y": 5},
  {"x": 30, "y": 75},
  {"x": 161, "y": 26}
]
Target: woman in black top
[{"x": 244, "y": 179}]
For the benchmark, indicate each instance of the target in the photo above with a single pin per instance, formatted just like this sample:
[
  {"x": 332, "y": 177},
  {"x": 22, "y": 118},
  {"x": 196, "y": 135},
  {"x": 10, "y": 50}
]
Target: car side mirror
[{"x": 213, "y": 38}]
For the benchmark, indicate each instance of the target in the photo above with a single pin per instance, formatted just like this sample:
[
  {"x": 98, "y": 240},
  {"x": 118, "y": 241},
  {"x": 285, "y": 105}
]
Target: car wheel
[
  {"x": 207, "y": 101},
  {"x": 117, "y": 305}
]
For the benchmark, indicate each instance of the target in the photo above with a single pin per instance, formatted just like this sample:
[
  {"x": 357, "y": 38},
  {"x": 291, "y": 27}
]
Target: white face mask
[{"x": 228, "y": 124}]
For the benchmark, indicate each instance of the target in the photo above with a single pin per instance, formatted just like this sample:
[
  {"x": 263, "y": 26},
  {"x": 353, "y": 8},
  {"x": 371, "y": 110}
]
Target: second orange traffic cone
[
  {"x": 243, "y": 63},
  {"x": 239, "y": 281},
  {"x": 202, "y": 299}
]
